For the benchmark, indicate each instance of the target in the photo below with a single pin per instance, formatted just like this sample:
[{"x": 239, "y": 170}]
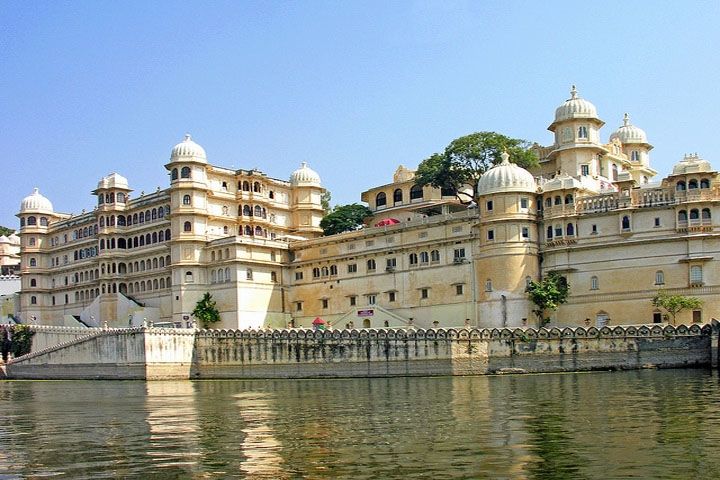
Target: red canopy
[
  {"x": 387, "y": 221},
  {"x": 318, "y": 321}
]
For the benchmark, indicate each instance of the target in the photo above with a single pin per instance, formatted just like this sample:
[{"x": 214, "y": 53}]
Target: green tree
[
  {"x": 465, "y": 160},
  {"x": 344, "y": 218},
  {"x": 206, "y": 311},
  {"x": 674, "y": 304},
  {"x": 6, "y": 231},
  {"x": 548, "y": 294},
  {"x": 325, "y": 201},
  {"x": 22, "y": 338}
]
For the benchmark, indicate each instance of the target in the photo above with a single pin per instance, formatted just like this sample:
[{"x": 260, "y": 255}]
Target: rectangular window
[
  {"x": 324, "y": 303},
  {"x": 696, "y": 275},
  {"x": 273, "y": 277},
  {"x": 424, "y": 293},
  {"x": 353, "y": 301},
  {"x": 657, "y": 317},
  {"x": 298, "y": 275},
  {"x": 298, "y": 306},
  {"x": 697, "y": 316},
  {"x": 524, "y": 202},
  {"x": 352, "y": 268},
  {"x": 525, "y": 232},
  {"x": 459, "y": 253},
  {"x": 458, "y": 289},
  {"x": 657, "y": 221},
  {"x": 491, "y": 235},
  {"x": 391, "y": 263},
  {"x": 391, "y": 296},
  {"x": 594, "y": 229},
  {"x": 371, "y": 299},
  {"x": 584, "y": 170},
  {"x": 489, "y": 205}
]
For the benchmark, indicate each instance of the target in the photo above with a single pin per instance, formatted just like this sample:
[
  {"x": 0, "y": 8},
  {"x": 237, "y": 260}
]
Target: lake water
[{"x": 638, "y": 424}]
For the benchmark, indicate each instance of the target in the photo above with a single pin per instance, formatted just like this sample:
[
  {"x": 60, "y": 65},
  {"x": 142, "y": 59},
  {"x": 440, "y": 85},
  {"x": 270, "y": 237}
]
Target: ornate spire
[
  {"x": 573, "y": 93},
  {"x": 505, "y": 158},
  {"x": 188, "y": 138},
  {"x": 626, "y": 120}
]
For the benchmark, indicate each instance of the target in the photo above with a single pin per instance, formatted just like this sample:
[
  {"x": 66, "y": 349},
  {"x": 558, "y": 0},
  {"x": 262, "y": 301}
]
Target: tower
[
  {"x": 307, "y": 208},
  {"x": 507, "y": 257}
]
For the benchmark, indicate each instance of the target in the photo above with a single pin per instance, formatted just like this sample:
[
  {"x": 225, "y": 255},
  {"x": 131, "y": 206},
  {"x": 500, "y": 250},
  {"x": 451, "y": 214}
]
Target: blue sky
[{"x": 354, "y": 88}]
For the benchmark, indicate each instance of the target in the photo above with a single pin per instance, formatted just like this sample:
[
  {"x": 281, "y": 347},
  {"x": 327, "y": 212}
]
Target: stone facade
[{"x": 591, "y": 211}]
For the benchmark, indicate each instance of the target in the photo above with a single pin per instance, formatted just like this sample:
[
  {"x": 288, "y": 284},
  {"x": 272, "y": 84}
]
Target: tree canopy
[
  {"x": 548, "y": 294},
  {"x": 206, "y": 311},
  {"x": 465, "y": 160},
  {"x": 344, "y": 218},
  {"x": 674, "y": 304},
  {"x": 6, "y": 230}
]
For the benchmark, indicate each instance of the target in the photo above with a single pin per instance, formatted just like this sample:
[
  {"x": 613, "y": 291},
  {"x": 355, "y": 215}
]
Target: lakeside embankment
[{"x": 158, "y": 353}]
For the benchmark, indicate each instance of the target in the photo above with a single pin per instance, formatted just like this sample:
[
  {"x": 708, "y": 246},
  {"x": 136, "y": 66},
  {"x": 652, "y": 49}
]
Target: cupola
[
  {"x": 304, "y": 176},
  {"x": 506, "y": 177},
  {"x": 188, "y": 150},
  {"x": 35, "y": 202},
  {"x": 629, "y": 133}
]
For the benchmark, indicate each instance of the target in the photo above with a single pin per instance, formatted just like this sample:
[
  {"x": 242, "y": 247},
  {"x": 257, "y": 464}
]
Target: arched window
[
  {"x": 380, "y": 199},
  {"x": 33, "y": 262},
  {"x": 167, "y": 234},
  {"x": 247, "y": 211},
  {"x": 22, "y": 221},
  {"x": 626, "y": 222},
  {"x": 185, "y": 172},
  {"x": 583, "y": 132},
  {"x": 680, "y": 186},
  {"x": 43, "y": 221},
  {"x": 174, "y": 174},
  {"x": 121, "y": 197},
  {"x": 614, "y": 172},
  {"x": 371, "y": 265},
  {"x": 692, "y": 184},
  {"x": 333, "y": 269},
  {"x": 424, "y": 257},
  {"x": 187, "y": 227},
  {"x": 570, "y": 230},
  {"x": 120, "y": 221},
  {"x": 659, "y": 278},
  {"x": 258, "y": 211},
  {"x": 154, "y": 237},
  {"x": 549, "y": 232},
  {"x": 33, "y": 282},
  {"x": 256, "y": 187},
  {"x": 134, "y": 219},
  {"x": 704, "y": 183},
  {"x": 558, "y": 200},
  {"x": 635, "y": 156},
  {"x": 32, "y": 220},
  {"x": 416, "y": 192},
  {"x": 694, "y": 214},
  {"x": 225, "y": 230},
  {"x": 33, "y": 299},
  {"x": 413, "y": 259},
  {"x": 161, "y": 236},
  {"x": 397, "y": 196},
  {"x": 682, "y": 216},
  {"x": 593, "y": 283},
  {"x": 249, "y": 274},
  {"x": 227, "y": 274},
  {"x": 248, "y": 230},
  {"x": 325, "y": 271},
  {"x": 316, "y": 272},
  {"x": 142, "y": 217},
  {"x": 435, "y": 256},
  {"x": 271, "y": 194},
  {"x": 220, "y": 275},
  {"x": 258, "y": 232},
  {"x": 246, "y": 186},
  {"x": 548, "y": 202},
  {"x": 568, "y": 199},
  {"x": 706, "y": 214},
  {"x": 188, "y": 277}
]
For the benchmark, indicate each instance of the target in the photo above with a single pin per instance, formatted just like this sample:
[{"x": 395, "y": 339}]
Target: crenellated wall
[{"x": 298, "y": 353}]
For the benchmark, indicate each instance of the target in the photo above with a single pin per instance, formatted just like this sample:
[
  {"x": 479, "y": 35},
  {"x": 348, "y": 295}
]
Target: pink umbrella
[
  {"x": 318, "y": 321},
  {"x": 387, "y": 221}
]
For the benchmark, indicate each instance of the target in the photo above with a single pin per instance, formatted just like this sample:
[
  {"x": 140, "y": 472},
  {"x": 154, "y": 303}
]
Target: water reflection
[{"x": 644, "y": 424}]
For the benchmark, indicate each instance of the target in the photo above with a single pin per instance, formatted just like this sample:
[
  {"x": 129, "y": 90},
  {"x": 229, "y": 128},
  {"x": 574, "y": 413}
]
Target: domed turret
[
  {"x": 506, "y": 177},
  {"x": 304, "y": 176},
  {"x": 629, "y": 133},
  {"x": 692, "y": 164},
  {"x": 187, "y": 149},
  {"x": 35, "y": 202},
  {"x": 575, "y": 107},
  {"x": 113, "y": 180}
]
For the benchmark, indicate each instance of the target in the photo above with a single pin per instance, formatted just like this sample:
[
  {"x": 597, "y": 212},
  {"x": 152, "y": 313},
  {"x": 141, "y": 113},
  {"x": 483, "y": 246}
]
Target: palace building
[{"x": 592, "y": 211}]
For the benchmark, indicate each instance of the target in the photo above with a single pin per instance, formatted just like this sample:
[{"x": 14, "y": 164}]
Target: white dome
[
  {"x": 188, "y": 149},
  {"x": 14, "y": 239},
  {"x": 36, "y": 203},
  {"x": 692, "y": 164},
  {"x": 506, "y": 177},
  {"x": 4, "y": 239},
  {"x": 575, "y": 107},
  {"x": 114, "y": 180},
  {"x": 304, "y": 175},
  {"x": 629, "y": 133}
]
